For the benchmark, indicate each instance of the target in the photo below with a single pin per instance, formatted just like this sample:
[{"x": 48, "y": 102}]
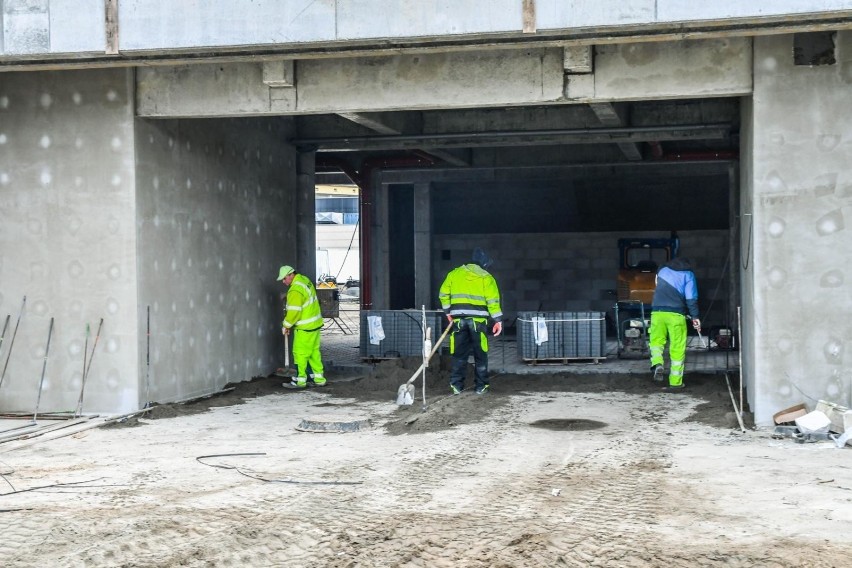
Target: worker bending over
[{"x": 303, "y": 314}]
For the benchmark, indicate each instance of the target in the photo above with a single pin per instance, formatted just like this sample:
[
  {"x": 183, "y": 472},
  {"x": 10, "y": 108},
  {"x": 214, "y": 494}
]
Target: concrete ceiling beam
[
  {"x": 609, "y": 115},
  {"x": 497, "y": 79},
  {"x": 527, "y": 137}
]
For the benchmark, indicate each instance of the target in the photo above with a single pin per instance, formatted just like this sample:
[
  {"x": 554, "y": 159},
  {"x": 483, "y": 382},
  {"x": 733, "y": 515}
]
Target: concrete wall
[
  {"x": 801, "y": 195},
  {"x": 78, "y": 26},
  {"x": 573, "y": 271},
  {"x": 105, "y": 215},
  {"x": 68, "y": 237},
  {"x": 216, "y": 219}
]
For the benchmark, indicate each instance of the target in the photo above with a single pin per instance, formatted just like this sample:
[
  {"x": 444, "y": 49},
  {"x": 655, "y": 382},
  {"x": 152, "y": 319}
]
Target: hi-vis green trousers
[{"x": 673, "y": 326}]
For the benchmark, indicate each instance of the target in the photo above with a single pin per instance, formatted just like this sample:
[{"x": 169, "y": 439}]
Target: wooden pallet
[
  {"x": 375, "y": 359},
  {"x": 564, "y": 360}
]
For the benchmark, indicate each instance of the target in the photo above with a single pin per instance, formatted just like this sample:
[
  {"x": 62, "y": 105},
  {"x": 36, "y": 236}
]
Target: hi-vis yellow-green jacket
[
  {"x": 470, "y": 291},
  {"x": 303, "y": 307}
]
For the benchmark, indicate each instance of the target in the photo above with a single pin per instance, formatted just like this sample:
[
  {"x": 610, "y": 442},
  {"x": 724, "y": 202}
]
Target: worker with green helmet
[
  {"x": 469, "y": 296},
  {"x": 303, "y": 314}
]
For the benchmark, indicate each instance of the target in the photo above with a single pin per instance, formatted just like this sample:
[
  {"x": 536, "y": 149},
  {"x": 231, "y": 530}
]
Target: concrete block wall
[
  {"x": 68, "y": 237},
  {"x": 573, "y": 271},
  {"x": 216, "y": 219}
]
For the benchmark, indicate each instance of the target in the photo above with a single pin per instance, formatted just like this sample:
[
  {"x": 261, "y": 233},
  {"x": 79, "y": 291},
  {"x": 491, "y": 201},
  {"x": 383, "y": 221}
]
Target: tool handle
[
  {"x": 286, "y": 351},
  {"x": 434, "y": 350}
]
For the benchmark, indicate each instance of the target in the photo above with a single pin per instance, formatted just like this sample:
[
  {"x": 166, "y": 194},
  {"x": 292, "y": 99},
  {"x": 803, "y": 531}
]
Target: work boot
[
  {"x": 673, "y": 388},
  {"x": 659, "y": 373},
  {"x": 319, "y": 382},
  {"x": 294, "y": 384},
  {"x": 455, "y": 389},
  {"x": 482, "y": 390}
]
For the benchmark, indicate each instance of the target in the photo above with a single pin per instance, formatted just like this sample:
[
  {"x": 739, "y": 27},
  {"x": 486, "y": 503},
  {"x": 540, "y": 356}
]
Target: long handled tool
[
  {"x": 287, "y": 370},
  {"x": 405, "y": 393},
  {"x": 701, "y": 339},
  {"x": 79, "y": 410},
  {"x": 12, "y": 343}
]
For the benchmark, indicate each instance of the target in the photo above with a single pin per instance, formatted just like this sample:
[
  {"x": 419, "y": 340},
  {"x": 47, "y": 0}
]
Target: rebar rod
[
  {"x": 148, "y": 362},
  {"x": 5, "y": 327},
  {"x": 79, "y": 410},
  {"x": 12, "y": 343},
  {"x": 43, "y": 369}
]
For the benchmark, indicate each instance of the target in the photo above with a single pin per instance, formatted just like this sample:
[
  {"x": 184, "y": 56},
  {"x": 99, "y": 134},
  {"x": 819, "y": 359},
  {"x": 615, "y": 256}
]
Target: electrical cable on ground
[
  {"x": 77, "y": 484},
  {"x": 258, "y": 478}
]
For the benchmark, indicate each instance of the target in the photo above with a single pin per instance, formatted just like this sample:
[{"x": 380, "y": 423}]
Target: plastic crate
[
  {"x": 403, "y": 333},
  {"x": 571, "y": 335}
]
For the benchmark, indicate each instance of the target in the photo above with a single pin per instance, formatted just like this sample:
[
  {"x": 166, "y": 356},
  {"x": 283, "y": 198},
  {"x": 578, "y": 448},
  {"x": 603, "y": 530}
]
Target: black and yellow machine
[{"x": 639, "y": 260}]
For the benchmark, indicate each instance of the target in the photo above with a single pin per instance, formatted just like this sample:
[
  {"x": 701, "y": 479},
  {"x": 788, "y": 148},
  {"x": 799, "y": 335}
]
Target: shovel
[
  {"x": 287, "y": 370},
  {"x": 405, "y": 393}
]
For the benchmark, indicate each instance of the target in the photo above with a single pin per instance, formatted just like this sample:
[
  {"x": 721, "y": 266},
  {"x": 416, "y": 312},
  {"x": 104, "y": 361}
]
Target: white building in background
[{"x": 338, "y": 235}]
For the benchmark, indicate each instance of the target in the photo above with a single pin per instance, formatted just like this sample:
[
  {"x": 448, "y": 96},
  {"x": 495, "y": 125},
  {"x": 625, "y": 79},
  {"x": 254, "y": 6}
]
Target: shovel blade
[{"x": 405, "y": 395}]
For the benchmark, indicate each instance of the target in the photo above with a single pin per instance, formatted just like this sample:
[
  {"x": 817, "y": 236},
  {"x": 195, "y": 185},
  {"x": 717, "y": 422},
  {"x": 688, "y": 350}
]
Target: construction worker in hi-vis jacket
[
  {"x": 469, "y": 296},
  {"x": 675, "y": 299},
  {"x": 303, "y": 314}
]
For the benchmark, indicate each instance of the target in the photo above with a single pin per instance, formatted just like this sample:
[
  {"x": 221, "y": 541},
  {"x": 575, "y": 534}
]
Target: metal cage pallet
[
  {"x": 570, "y": 336},
  {"x": 403, "y": 333}
]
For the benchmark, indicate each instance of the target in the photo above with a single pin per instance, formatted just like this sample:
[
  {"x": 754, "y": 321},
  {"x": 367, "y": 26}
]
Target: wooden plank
[
  {"x": 529, "y": 16},
  {"x": 88, "y": 425},
  {"x": 564, "y": 360},
  {"x": 111, "y": 26},
  {"x": 41, "y": 430}
]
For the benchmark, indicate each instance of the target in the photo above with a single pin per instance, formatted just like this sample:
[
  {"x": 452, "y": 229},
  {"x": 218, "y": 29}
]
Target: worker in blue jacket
[{"x": 675, "y": 300}]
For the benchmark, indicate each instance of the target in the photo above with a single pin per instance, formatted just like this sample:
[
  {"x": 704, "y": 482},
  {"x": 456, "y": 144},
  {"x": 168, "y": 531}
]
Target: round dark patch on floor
[{"x": 574, "y": 424}]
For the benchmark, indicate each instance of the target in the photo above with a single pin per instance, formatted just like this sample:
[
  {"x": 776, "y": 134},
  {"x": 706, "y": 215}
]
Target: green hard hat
[{"x": 285, "y": 270}]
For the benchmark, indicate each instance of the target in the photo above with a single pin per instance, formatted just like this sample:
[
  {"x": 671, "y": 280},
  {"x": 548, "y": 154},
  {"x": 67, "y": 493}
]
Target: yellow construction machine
[{"x": 639, "y": 261}]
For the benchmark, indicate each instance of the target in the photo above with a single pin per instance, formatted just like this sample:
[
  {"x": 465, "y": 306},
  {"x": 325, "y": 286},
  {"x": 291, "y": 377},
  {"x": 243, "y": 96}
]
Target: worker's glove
[
  {"x": 497, "y": 329},
  {"x": 696, "y": 323},
  {"x": 449, "y": 318}
]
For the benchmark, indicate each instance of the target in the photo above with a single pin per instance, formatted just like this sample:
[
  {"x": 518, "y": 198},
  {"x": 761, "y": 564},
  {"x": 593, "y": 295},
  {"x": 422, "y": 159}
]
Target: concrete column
[
  {"x": 379, "y": 245},
  {"x": 422, "y": 245},
  {"x": 306, "y": 227},
  {"x": 732, "y": 276}
]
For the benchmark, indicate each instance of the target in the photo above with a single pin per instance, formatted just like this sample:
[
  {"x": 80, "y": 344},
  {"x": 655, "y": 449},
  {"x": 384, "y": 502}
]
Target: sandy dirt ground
[{"x": 546, "y": 470}]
